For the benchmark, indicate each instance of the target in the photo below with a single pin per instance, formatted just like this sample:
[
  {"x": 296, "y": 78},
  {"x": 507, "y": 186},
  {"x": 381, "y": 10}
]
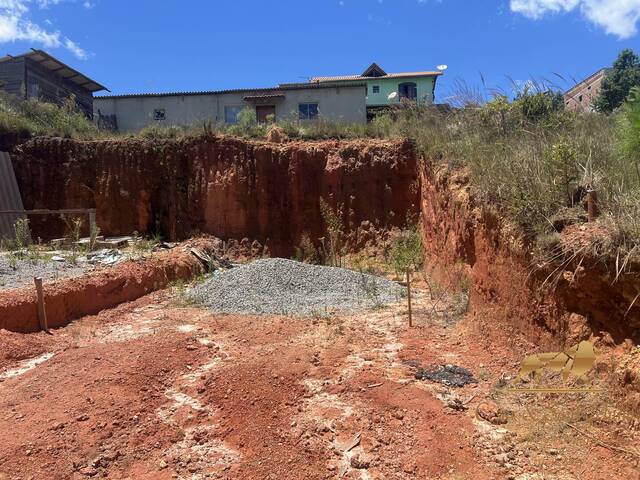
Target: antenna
[
  {"x": 442, "y": 68},
  {"x": 392, "y": 95}
]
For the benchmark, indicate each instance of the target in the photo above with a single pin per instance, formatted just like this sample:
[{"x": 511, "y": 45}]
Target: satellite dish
[
  {"x": 442, "y": 67},
  {"x": 392, "y": 95}
]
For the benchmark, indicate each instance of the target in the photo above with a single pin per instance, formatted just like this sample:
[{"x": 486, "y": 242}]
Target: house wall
[
  {"x": 344, "y": 104},
  {"x": 24, "y": 77},
  {"x": 44, "y": 85},
  {"x": 12, "y": 77},
  {"x": 581, "y": 96},
  {"x": 387, "y": 86}
]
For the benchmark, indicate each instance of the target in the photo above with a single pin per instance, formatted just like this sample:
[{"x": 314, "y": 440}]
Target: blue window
[
  {"x": 376, "y": 89},
  {"x": 231, "y": 114},
  {"x": 308, "y": 111}
]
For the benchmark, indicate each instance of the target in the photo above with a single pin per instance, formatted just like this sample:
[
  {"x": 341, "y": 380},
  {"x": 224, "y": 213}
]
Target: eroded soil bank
[
  {"x": 555, "y": 304},
  {"x": 69, "y": 299},
  {"x": 227, "y": 187}
]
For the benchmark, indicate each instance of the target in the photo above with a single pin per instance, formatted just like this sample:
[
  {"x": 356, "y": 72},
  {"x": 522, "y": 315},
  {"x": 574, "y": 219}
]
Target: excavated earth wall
[
  {"x": 555, "y": 304},
  {"x": 269, "y": 194},
  {"x": 228, "y": 187}
]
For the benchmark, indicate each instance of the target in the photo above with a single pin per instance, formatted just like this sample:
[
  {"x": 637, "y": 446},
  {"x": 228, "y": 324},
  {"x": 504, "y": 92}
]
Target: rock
[
  {"x": 491, "y": 412},
  {"x": 89, "y": 471},
  {"x": 162, "y": 465},
  {"x": 82, "y": 418},
  {"x": 360, "y": 461}
]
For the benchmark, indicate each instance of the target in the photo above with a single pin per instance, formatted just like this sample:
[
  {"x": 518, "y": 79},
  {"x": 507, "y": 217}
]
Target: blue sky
[{"x": 171, "y": 45}]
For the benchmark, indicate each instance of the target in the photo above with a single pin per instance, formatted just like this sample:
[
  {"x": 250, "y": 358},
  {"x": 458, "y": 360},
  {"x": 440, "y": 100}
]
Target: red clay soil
[
  {"x": 581, "y": 299},
  {"x": 229, "y": 187},
  {"x": 68, "y": 299},
  {"x": 156, "y": 390}
]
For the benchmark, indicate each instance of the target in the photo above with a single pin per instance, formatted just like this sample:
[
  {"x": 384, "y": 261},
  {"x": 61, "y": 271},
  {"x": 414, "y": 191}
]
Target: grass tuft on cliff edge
[{"x": 31, "y": 118}]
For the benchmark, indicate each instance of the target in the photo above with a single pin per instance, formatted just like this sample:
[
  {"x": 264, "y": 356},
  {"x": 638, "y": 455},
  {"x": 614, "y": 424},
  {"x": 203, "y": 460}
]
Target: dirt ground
[{"x": 159, "y": 389}]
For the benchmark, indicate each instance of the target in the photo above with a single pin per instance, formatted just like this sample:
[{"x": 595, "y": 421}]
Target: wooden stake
[
  {"x": 409, "y": 297},
  {"x": 42, "y": 312},
  {"x": 92, "y": 228},
  {"x": 592, "y": 205}
]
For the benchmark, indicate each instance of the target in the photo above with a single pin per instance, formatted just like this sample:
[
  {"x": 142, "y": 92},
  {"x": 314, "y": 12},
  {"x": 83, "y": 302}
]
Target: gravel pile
[
  {"x": 286, "y": 287},
  {"x": 25, "y": 270}
]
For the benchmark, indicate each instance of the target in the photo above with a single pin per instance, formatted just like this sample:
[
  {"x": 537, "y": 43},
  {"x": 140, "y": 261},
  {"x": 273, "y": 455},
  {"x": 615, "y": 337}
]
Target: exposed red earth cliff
[
  {"x": 556, "y": 304},
  {"x": 227, "y": 187}
]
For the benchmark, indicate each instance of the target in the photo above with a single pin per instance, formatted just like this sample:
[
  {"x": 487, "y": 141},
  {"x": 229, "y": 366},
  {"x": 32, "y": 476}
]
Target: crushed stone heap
[{"x": 287, "y": 287}]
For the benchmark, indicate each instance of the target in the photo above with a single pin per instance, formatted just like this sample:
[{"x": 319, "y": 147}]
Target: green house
[{"x": 386, "y": 89}]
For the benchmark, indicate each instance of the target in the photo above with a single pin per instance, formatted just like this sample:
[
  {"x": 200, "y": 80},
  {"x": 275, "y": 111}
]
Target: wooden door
[{"x": 265, "y": 113}]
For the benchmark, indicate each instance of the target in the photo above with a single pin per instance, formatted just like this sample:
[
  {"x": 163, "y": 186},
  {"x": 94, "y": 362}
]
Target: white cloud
[
  {"x": 16, "y": 25},
  {"x": 615, "y": 17},
  {"x": 76, "y": 49}
]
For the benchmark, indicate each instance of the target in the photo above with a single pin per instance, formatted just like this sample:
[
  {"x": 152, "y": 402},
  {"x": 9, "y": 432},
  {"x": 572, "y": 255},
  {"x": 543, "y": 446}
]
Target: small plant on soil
[
  {"x": 370, "y": 288},
  {"x": 364, "y": 264},
  {"x": 333, "y": 248},
  {"x": 93, "y": 238},
  {"x": 75, "y": 226},
  {"x": 143, "y": 244},
  {"x": 13, "y": 260},
  {"x": 406, "y": 252},
  {"x": 318, "y": 315},
  {"x": 306, "y": 251},
  {"x": 23, "y": 234}
]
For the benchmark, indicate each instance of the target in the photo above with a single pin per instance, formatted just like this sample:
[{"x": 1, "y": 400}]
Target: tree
[
  {"x": 624, "y": 75},
  {"x": 630, "y": 125}
]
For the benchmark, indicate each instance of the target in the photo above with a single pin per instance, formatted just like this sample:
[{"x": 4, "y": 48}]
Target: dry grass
[
  {"x": 34, "y": 118},
  {"x": 529, "y": 157}
]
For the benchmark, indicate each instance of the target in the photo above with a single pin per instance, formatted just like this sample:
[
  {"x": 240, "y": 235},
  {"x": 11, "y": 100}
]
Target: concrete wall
[
  {"x": 425, "y": 87},
  {"x": 342, "y": 104}
]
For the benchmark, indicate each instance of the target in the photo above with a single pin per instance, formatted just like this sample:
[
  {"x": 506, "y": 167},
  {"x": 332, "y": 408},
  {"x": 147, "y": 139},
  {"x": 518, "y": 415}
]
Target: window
[
  {"x": 376, "y": 89},
  {"x": 308, "y": 111},
  {"x": 159, "y": 114},
  {"x": 231, "y": 114},
  {"x": 408, "y": 90},
  {"x": 580, "y": 98}
]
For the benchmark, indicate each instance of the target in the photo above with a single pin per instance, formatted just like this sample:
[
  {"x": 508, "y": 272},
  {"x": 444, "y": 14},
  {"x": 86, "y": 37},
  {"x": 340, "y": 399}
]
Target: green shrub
[
  {"x": 34, "y": 117},
  {"x": 538, "y": 106},
  {"x": 248, "y": 125},
  {"x": 306, "y": 250},
  {"x": 406, "y": 252},
  {"x": 23, "y": 233},
  {"x": 332, "y": 248},
  {"x": 630, "y": 127},
  {"x": 618, "y": 82}
]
